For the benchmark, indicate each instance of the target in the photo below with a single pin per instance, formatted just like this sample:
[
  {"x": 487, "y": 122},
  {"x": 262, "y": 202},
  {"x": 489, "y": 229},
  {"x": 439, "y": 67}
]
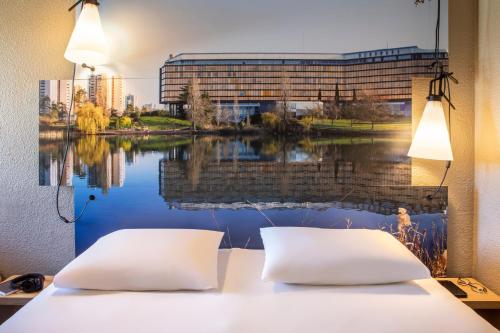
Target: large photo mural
[{"x": 237, "y": 116}]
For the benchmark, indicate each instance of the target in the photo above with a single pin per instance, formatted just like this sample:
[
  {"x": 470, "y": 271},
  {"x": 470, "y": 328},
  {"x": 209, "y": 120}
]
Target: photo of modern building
[{"x": 256, "y": 80}]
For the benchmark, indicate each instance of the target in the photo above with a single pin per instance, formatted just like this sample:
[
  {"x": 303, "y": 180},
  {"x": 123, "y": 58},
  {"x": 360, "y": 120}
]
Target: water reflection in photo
[{"x": 240, "y": 184}]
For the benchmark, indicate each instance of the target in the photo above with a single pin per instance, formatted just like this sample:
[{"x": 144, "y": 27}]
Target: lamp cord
[
  {"x": 65, "y": 155},
  {"x": 436, "y": 44},
  {"x": 68, "y": 142}
]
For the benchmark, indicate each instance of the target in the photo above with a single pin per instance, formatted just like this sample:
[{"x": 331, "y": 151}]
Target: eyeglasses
[{"x": 476, "y": 287}]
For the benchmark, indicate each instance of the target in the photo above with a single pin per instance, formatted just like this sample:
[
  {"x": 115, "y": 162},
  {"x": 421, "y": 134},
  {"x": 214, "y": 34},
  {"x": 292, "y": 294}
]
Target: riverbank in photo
[{"x": 152, "y": 125}]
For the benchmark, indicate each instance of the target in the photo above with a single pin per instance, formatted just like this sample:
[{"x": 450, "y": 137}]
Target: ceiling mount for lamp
[
  {"x": 93, "y": 2},
  {"x": 87, "y": 45}
]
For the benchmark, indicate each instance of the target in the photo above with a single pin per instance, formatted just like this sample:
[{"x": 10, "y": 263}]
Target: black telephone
[{"x": 28, "y": 283}]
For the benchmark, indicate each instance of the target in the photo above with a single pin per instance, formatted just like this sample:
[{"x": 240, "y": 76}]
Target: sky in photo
[{"x": 142, "y": 33}]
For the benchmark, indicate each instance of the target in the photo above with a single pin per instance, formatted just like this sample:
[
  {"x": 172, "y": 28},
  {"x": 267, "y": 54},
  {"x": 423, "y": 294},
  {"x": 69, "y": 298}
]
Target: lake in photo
[{"x": 238, "y": 184}]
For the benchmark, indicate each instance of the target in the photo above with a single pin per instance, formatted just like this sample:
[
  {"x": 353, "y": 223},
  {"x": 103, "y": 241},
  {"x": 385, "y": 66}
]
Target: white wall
[
  {"x": 462, "y": 52},
  {"x": 487, "y": 146},
  {"x": 33, "y": 35}
]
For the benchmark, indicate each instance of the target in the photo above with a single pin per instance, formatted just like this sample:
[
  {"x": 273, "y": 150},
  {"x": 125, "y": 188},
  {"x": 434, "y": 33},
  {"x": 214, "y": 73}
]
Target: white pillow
[
  {"x": 146, "y": 259},
  {"x": 337, "y": 257}
]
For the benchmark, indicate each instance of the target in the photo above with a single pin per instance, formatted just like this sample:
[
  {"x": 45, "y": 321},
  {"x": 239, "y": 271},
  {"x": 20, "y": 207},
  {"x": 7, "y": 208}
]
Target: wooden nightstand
[
  {"x": 20, "y": 298},
  {"x": 489, "y": 300},
  {"x": 486, "y": 305},
  {"x": 12, "y": 303}
]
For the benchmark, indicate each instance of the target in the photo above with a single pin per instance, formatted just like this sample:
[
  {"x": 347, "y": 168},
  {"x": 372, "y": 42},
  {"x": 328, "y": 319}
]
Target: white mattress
[{"x": 244, "y": 303}]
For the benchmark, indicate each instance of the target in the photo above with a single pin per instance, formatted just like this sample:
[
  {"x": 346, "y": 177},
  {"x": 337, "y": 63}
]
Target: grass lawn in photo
[{"x": 163, "y": 123}]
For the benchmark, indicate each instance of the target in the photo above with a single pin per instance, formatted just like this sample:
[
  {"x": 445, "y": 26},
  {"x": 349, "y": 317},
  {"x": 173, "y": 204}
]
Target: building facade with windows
[
  {"x": 98, "y": 92},
  {"x": 117, "y": 100},
  {"x": 107, "y": 92},
  {"x": 130, "y": 100},
  {"x": 259, "y": 79},
  {"x": 54, "y": 92}
]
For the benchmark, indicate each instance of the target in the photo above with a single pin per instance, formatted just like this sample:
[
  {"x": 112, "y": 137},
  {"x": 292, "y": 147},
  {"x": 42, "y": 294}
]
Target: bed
[{"x": 244, "y": 303}]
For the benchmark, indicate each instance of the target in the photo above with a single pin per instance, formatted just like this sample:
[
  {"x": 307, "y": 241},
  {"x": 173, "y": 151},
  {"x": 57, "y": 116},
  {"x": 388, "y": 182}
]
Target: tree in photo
[
  {"x": 284, "y": 105},
  {"x": 129, "y": 109},
  {"x": 184, "y": 95},
  {"x": 44, "y": 105},
  {"x": 79, "y": 98},
  {"x": 57, "y": 111},
  {"x": 333, "y": 109},
  {"x": 316, "y": 111},
  {"x": 182, "y": 102},
  {"x": 208, "y": 110},
  {"x": 310, "y": 115},
  {"x": 370, "y": 108},
  {"x": 133, "y": 112},
  {"x": 349, "y": 109},
  {"x": 380, "y": 112},
  {"x": 115, "y": 112},
  {"x": 307, "y": 122},
  {"x": 54, "y": 115},
  {"x": 226, "y": 115},
  {"x": 270, "y": 121},
  {"x": 218, "y": 113},
  {"x": 337, "y": 94},
  {"x": 124, "y": 122},
  {"x": 195, "y": 105},
  {"x": 236, "y": 113},
  {"x": 91, "y": 119}
]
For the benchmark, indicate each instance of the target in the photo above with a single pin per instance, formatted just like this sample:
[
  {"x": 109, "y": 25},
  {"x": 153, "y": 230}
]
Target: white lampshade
[
  {"x": 87, "y": 44},
  {"x": 431, "y": 140}
]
